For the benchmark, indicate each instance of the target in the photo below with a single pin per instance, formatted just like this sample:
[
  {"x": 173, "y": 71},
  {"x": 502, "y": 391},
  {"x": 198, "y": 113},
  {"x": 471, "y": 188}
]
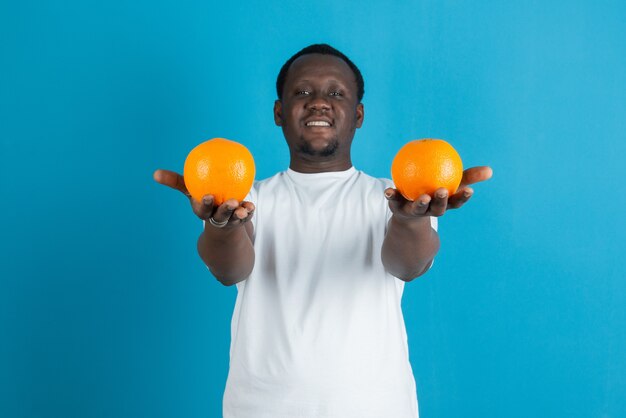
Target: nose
[{"x": 318, "y": 102}]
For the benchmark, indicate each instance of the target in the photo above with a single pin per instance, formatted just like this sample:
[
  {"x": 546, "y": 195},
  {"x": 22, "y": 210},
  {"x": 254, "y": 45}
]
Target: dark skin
[
  {"x": 319, "y": 114},
  {"x": 227, "y": 251},
  {"x": 319, "y": 89}
]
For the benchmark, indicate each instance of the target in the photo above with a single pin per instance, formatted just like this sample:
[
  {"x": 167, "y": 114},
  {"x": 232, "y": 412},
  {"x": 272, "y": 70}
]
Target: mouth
[{"x": 318, "y": 123}]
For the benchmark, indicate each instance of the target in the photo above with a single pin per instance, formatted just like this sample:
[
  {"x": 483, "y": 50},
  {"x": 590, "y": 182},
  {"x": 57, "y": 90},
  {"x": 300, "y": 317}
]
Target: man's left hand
[{"x": 437, "y": 205}]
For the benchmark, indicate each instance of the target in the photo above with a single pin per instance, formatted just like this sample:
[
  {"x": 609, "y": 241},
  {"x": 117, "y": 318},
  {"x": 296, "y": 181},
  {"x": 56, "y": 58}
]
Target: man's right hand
[
  {"x": 235, "y": 212},
  {"x": 226, "y": 250}
]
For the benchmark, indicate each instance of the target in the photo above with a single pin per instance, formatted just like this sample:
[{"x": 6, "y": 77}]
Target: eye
[
  {"x": 302, "y": 92},
  {"x": 335, "y": 93}
]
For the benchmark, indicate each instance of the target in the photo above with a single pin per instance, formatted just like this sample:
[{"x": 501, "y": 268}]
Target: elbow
[
  {"x": 226, "y": 268},
  {"x": 409, "y": 275},
  {"x": 226, "y": 281},
  {"x": 231, "y": 278},
  {"x": 418, "y": 273}
]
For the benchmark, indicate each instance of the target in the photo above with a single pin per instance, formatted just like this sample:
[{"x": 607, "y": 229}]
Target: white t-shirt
[{"x": 317, "y": 329}]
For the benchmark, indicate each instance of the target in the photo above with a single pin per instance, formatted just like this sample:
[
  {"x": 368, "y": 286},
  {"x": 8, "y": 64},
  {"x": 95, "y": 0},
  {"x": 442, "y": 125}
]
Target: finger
[
  {"x": 225, "y": 210},
  {"x": 240, "y": 213},
  {"x": 396, "y": 201},
  {"x": 460, "y": 198},
  {"x": 393, "y": 194},
  {"x": 247, "y": 218},
  {"x": 404, "y": 207},
  {"x": 476, "y": 174},
  {"x": 420, "y": 206},
  {"x": 439, "y": 203},
  {"x": 204, "y": 208},
  {"x": 249, "y": 206},
  {"x": 171, "y": 179}
]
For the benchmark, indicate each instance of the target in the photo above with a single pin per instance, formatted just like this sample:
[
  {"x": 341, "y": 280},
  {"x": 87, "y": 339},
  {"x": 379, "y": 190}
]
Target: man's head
[
  {"x": 319, "y": 109},
  {"x": 323, "y": 49}
]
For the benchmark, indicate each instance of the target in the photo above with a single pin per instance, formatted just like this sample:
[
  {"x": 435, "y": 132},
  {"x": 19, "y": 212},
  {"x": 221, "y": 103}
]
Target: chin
[{"x": 319, "y": 151}]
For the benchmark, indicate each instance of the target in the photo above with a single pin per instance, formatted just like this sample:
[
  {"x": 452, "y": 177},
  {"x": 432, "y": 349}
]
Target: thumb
[{"x": 171, "y": 179}]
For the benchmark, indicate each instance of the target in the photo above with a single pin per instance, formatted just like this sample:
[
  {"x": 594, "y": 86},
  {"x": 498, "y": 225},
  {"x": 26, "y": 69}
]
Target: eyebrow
[{"x": 332, "y": 80}]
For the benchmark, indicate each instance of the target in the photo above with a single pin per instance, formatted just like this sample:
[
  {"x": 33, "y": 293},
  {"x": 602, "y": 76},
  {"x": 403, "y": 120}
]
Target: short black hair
[{"x": 323, "y": 49}]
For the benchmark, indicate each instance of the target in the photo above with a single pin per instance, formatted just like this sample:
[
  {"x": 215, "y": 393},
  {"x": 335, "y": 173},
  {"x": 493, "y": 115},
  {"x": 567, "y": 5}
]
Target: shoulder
[
  {"x": 374, "y": 182},
  {"x": 264, "y": 185},
  {"x": 270, "y": 183},
  {"x": 370, "y": 190}
]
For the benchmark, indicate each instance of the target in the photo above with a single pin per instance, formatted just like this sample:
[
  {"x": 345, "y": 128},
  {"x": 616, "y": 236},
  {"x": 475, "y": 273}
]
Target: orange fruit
[
  {"x": 220, "y": 167},
  {"x": 424, "y": 165}
]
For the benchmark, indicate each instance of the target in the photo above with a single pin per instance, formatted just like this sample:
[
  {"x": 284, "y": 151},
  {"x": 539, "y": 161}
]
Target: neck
[{"x": 319, "y": 166}]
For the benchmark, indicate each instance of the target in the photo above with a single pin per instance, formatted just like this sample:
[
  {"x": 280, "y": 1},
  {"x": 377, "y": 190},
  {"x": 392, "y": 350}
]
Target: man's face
[{"x": 319, "y": 111}]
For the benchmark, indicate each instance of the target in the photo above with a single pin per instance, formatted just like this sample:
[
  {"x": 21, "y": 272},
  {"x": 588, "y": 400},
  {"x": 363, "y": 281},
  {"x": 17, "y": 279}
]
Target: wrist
[
  {"x": 410, "y": 221},
  {"x": 214, "y": 233}
]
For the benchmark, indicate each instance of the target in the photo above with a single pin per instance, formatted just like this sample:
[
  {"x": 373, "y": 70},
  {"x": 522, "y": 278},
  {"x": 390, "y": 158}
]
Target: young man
[{"x": 317, "y": 328}]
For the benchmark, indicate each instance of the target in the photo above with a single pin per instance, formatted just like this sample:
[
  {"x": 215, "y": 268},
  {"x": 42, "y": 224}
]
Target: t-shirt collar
[{"x": 296, "y": 175}]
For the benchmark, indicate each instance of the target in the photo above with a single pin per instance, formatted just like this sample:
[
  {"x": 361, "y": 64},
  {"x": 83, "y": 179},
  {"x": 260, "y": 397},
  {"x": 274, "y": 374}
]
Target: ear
[
  {"x": 278, "y": 113},
  {"x": 360, "y": 114}
]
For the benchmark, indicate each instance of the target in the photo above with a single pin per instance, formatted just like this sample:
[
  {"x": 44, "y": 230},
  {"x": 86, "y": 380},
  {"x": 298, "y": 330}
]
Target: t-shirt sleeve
[{"x": 252, "y": 196}]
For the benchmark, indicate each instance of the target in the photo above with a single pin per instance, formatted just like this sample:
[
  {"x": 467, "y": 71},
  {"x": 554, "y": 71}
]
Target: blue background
[{"x": 107, "y": 311}]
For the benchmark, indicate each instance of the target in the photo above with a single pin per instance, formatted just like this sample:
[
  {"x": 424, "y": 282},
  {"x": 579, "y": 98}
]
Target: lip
[{"x": 318, "y": 119}]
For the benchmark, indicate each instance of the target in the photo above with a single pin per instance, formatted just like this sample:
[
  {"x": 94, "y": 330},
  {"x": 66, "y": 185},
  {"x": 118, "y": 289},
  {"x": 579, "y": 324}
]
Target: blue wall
[{"x": 107, "y": 311}]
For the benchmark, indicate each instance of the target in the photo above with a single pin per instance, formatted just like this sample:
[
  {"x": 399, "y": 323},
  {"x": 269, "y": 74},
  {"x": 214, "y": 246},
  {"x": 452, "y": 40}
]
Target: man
[{"x": 317, "y": 328}]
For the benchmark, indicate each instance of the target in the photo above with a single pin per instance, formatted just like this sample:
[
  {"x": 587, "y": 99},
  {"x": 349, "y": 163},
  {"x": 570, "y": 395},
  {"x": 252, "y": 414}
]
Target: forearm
[
  {"x": 409, "y": 247},
  {"x": 228, "y": 253}
]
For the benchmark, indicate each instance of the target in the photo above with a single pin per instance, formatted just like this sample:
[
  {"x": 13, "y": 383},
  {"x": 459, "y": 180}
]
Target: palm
[{"x": 436, "y": 205}]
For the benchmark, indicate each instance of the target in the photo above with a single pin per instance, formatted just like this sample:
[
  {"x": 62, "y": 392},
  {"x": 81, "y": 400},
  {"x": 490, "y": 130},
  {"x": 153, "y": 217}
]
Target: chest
[{"x": 319, "y": 227}]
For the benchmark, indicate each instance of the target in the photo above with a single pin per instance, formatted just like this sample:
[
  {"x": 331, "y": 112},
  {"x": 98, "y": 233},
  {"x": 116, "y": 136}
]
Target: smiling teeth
[{"x": 318, "y": 123}]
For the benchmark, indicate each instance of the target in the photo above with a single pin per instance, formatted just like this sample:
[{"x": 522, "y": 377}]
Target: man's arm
[
  {"x": 227, "y": 250},
  {"x": 411, "y": 243},
  {"x": 409, "y": 247}
]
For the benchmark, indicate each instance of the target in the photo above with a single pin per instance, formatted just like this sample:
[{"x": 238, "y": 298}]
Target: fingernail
[
  {"x": 441, "y": 195},
  {"x": 388, "y": 194},
  {"x": 207, "y": 201}
]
